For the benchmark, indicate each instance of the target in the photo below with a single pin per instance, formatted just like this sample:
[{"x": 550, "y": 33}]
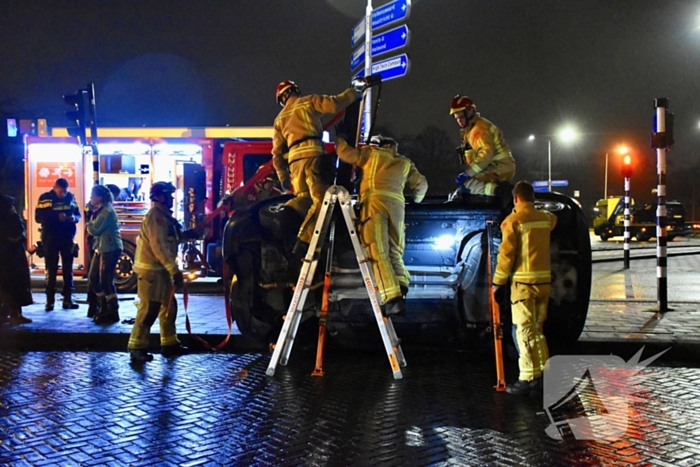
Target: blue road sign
[
  {"x": 389, "y": 41},
  {"x": 390, "y": 68},
  {"x": 357, "y": 33},
  {"x": 545, "y": 183},
  {"x": 393, "y": 12}
]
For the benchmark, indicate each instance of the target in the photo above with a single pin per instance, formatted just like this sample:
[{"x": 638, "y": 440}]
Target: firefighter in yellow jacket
[
  {"x": 385, "y": 175},
  {"x": 158, "y": 275},
  {"x": 484, "y": 151},
  {"x": 524, "y": 258},
  {"x": 297, "y": 150}
]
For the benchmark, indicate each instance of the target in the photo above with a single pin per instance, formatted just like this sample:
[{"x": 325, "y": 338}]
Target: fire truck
[{"x": 204, "y": 164}]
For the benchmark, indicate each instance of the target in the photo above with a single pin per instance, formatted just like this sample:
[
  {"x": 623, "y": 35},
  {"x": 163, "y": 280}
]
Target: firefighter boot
[
  {"x": 525, "y": 388},
  {"x": 93, "y": 305},
  {"x": 140, "y": 356},
  {"x": 396, "y": 306},
  {"x": 111, "y": 313},
  {"x": 174, "y": 350},
  {"x": 69, "y": 304}
]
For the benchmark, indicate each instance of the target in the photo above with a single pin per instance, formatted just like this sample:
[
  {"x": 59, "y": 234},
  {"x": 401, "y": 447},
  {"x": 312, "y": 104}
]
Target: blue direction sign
[
  {"x": 392, "y": 12},
  {"x": 545, "y": 183},
  {"x": 389, "y": 41},
  {"x": 390, "y": 68},
  {"x": 357, "y": 33}
]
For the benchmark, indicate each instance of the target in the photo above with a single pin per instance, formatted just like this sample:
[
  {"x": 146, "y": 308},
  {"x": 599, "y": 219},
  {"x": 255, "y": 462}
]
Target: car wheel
[{"x": 125, "y": 277}]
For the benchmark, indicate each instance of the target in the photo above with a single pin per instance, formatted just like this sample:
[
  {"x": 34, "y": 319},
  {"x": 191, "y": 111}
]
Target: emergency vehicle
[
  {"x": 203, "y": 163},
  {"x": 610, "y": 217}
]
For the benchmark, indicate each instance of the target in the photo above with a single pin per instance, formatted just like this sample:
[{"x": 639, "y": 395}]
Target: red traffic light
[{"x": 627, "y": 166}]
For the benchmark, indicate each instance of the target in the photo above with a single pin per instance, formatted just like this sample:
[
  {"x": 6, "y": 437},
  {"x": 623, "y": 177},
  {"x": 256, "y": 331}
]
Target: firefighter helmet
[
  {"x": 161, "y": 188},
  {"x": 284, "y": 88},
  {"x": 461, "y": 104},
  {"x": 380, "y": 141}
]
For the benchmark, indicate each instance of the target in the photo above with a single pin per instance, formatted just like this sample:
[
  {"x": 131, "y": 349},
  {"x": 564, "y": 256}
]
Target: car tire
[{"x": 125, "y": 277}]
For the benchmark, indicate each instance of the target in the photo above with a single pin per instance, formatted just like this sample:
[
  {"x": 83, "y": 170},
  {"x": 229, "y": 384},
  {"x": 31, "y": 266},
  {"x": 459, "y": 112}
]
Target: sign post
[
  {"x": 661, "y": 141},
  {"x": 368, "y": 69},
  {"x": 391, "y": 13}
]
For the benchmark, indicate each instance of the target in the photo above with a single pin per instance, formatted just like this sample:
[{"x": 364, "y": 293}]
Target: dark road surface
[{"x": 71, "y": 408}]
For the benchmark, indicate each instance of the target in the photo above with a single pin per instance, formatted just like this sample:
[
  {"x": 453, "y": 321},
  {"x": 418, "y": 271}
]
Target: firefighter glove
[
  {"x": 499, "y": 293},
  {"x": 461, "y": 178},
  {"x": 360, "y": 84},
  {"x": 286, "y": 186},
  {"x": 178, "y": 280}
]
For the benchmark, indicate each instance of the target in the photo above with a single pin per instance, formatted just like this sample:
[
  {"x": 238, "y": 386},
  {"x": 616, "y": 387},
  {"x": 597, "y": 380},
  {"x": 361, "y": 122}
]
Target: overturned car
[{"x": 446, "y": 255}]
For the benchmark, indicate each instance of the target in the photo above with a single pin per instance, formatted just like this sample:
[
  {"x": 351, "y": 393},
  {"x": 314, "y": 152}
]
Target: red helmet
[
  {"x": 284, "y": 88},
  {"x": 460, "y": 104}
]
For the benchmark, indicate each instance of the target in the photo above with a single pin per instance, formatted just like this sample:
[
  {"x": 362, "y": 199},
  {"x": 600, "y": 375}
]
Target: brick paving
[{"x": 93, "y": 408}]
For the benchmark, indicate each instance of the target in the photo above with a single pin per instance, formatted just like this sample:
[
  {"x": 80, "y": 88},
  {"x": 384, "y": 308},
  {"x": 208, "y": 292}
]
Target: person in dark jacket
[
  {"x": 92, "y": 298},
  {"x": 15, "y": 284},
  {"x": 104, "y": 228},
  {"x": 58, "y": 213}
]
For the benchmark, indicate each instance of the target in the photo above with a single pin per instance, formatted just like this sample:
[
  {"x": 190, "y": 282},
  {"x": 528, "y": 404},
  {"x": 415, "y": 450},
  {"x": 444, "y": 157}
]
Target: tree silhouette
[{"x": 433, "y": 152}]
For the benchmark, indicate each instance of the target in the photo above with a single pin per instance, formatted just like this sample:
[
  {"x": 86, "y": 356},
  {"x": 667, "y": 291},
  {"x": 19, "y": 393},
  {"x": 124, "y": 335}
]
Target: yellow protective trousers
[
  {"x": 382, "y": 234},
  {"x": 479, "y": 187},
  {"x": 311, "y": 177},
  {"x": 154, "y": 291},
  {"x": 529, "y": 309}
]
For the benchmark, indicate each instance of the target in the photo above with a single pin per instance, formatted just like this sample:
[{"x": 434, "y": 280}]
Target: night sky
[{"x": 530, "y": 66}]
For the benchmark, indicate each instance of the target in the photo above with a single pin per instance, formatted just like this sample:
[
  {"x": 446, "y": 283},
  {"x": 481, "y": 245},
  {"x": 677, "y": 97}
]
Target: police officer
[
  {"x": 58, "y": 212},
  {"x": 297, "y": 150},
  {"x": 158, "y": 275},
  {"x": 484, "y": 151},
  {"x": 385, "y": 175},
  {"x": 523, "y": 257}
]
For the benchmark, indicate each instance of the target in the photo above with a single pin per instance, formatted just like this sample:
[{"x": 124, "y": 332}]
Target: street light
[
  {"x": 622, "y": 150},
  {"x": 566, "y": 134}
]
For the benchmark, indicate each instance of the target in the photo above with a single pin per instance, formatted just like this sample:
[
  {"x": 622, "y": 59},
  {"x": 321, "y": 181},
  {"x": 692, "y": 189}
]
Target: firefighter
[
  {"x": 385, "y": 174},
  {"x": 298, "y": 153},
  {"x": 484, "y": 151},
  {"x": 108, "y": 246},
  {"x": 158, "y": 275},
  {"x": 523, "y": 257},
  {"x": 58, "y": 212}
]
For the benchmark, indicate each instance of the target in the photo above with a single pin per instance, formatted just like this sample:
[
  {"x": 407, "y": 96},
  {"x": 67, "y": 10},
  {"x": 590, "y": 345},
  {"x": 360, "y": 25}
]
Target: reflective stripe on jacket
[
  {"x": 156, "y": 249},
  {"x": 48, "y": 208},
  {"x": 384, "y": 171},
  {"x": 489, "y": 158},
  {"x": 300, "y": 119},
  {"x": 524, "y": 253}
]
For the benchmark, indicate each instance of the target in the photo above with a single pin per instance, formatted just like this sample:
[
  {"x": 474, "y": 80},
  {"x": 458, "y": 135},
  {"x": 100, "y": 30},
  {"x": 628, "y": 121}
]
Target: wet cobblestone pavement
[{"x": 78, "y": 408}]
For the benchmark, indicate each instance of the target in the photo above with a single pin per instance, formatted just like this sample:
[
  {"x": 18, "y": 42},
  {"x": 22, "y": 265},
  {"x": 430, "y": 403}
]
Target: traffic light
[
  {"x": 627, "y": 166},
  {"x": 78, "y": 115}
]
